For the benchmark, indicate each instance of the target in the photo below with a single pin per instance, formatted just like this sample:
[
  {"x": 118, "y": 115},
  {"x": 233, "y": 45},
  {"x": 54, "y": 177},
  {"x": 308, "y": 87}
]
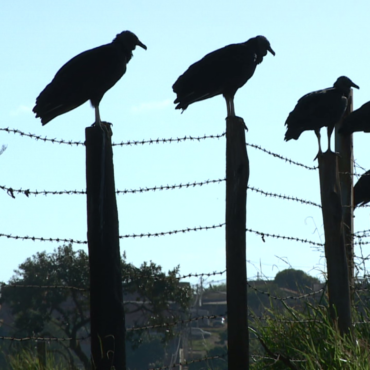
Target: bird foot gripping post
[
  {"x": 237, "y": 174},
  {"x": 106, "y": 294}
]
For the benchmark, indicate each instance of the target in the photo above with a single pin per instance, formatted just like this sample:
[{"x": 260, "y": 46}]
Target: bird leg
[
  {"x": 231, "y": 109},
  {"x": 105, "y": 126},
  {"x": 330, "y": 130},
  {"x": 97, "y": 117},
  {"x": 318, "y": 135},
  {"x": 230, "y": 106}
]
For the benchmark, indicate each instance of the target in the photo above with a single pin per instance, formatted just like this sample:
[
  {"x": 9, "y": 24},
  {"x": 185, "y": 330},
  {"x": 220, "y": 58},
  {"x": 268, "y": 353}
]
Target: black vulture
[
  {"x": 358, "y": 120},
  {"x": 223, "y": 71},
  {"x": 361, "y": 191},
  {"x": 87, "y": 76},
  {"x": 319, "y": 109}
]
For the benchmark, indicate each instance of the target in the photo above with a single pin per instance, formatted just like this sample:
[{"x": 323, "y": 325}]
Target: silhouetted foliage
[
  {"x": 295, "y": 280},
  {"x": 154, "y": 296}
]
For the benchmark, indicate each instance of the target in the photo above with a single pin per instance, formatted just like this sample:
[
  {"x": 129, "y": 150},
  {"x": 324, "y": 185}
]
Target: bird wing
[
  {"x": 86, "y": 76},
  {"x": 319, "y": 108},
  {"x": 361, "y": 191},
  {"x": 358, "y": 120},
  {"x": 98, "y": 68},
  {"x": 228, "y": 67}
]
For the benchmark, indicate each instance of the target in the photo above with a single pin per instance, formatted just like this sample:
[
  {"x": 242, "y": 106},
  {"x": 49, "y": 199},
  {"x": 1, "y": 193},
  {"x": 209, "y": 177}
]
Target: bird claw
[
  {"x": 105, "y": 126},
  {"x": 320, "y": 153}
]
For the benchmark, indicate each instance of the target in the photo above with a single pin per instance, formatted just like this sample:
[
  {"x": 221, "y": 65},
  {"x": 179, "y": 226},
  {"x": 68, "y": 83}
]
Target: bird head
[
  {"x": 263, "y": 46},
  {"x": 344, "y": 84},
  {"x": 129, "y": 40}
]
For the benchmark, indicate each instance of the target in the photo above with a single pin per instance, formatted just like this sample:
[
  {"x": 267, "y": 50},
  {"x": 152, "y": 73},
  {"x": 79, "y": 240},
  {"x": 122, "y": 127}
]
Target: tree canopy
[{"x": 62, "y": 309}]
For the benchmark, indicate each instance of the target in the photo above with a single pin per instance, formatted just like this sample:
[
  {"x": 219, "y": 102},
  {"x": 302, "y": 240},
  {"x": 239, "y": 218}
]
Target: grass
[
  {"x": 308, "y": 340},
  {"x": 26, "y": 360}
]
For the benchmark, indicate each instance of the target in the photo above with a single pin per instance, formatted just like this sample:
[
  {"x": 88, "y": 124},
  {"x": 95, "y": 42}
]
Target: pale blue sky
[{"x": 315, "y": 42}]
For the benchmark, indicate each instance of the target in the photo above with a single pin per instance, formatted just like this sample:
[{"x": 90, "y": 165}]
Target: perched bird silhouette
[
  {"x": 361, "y": 191},
  {"x": 358, "y": 120},
  {"x": 223, "y": 71},
  {"x": 87, "y": 76},
  {"x": 319, "y": 109}
]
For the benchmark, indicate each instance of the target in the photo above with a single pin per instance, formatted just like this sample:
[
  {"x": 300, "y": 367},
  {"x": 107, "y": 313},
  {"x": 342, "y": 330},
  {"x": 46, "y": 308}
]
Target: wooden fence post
[
  {"x": 106, "y": 294},
  {"x": 344, "y": 146},
  {"x": 338, "y": 285},
  {"x": 237, "y": 174}
]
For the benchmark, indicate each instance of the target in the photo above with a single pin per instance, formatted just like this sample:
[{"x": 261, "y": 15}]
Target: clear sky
[{"x": 315, "y": 42}]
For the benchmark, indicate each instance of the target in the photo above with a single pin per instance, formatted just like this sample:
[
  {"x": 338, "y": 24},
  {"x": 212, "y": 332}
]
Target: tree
[
  {"x": 64, "y": 312},
  {"x": 295, "y": 279}
]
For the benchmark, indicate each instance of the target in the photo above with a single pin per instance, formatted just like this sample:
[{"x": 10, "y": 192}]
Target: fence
[{"x": 15, "y": 193}]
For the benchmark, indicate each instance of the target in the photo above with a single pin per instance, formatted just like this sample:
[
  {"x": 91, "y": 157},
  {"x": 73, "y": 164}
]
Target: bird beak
[
  {"x": 355, "y": 86},
  {"x": 271, "y": 51},
  {"x": 139, "y": 43}
]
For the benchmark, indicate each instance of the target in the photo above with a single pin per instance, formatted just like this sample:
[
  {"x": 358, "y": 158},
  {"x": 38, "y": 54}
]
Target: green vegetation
[
  {"x": 153, "y": 297},
  {"x": 288, "y": 334}
]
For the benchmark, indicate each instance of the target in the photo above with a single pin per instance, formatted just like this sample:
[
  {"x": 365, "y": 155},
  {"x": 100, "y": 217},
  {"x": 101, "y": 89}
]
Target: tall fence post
[
  {"x": 335, "y": 253},
  {"x": 237, "y": 174},
  {"x": 106, "y": 294},
  {"x": 344, "y": 146}
]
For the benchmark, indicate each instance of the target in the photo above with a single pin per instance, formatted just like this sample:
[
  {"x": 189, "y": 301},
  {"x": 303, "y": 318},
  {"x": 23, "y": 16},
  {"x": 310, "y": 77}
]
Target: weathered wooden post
[
  {"x": 338, "y": 285},
  {"x": 106, "y": 294},
  {"x": 344, "y": 146},
  {"x": 237, "y": 174}
]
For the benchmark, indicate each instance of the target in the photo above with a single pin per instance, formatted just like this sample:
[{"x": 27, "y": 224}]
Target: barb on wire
[
  {"x": 286, "y": 298},
  {"x": 290, "y": 238},
  {"x": 290, "y": 161},
  {"x": 274, "y": 195},
  {"x": 186, "y": 363},
  {"x": 170, "y": 140},
  {"x": 173, "y": 232},
  {"x": 46, "y": 287}
]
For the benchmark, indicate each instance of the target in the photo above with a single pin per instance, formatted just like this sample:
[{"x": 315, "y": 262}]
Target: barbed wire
[
  {"x": 46, "y": 287},
  {"x": 44, "y": 339},
  {"x": 28, "y": 192},
  {"x": 41, "y": 239},
  {"x": 274, "y": 195},
  {"x": 164, "y": 233},
  {"x": 39, "y": 137},
  {"x": 186, "y": 363},
  {"x": 138, "y": 276},
  {"x": 273, "y": 359},
  {"x": 172, "y": 232},
  {"x": 157, "y": 141},
  {"x": 175, "y": 323},
  {"x": 290, "y": 238},
  {"x": 169, "y": 140},
  {"x": 303, "y": 296},
  {"x": 288, "y": 160},
  {"x": 202, "y": 274},
  {"x": 11, "y": 192},
  {"x": 126, "y": 143}
]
